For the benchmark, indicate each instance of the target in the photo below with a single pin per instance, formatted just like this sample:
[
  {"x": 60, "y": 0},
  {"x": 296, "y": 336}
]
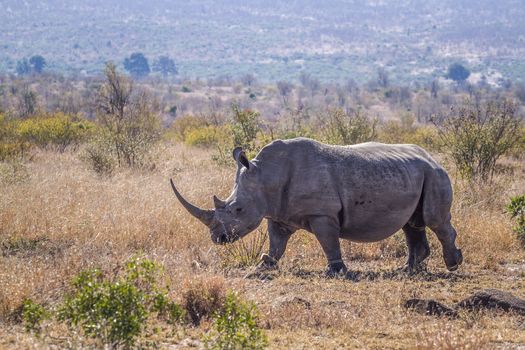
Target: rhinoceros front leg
[
  {"x": 326, "y": 231},
  {"x": 279, "y": 236},
  {"x": 418, "y": 248}
]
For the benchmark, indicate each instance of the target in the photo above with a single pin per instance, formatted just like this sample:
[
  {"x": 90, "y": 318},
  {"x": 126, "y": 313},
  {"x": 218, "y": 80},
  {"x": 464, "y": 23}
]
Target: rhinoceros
[{"x": 362, "y": 193}]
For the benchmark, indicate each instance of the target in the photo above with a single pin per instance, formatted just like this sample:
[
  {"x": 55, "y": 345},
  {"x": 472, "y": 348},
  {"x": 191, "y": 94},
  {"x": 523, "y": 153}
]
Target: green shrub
[
  {"x": 59, "y": 131},
  {"x": 32, "y": 315},
  {"x": 183, "y": 125},
  {"x": 341, "y": 128},
  {"x": 245, "y": 126},
  {"x": 11, "y": 144},
  {"x": 170, "y": 311},
  {"x": 477, "y": 135},
  {"x": 206, "y": 136},
  {"x": 235, "y": 327},
  {"x": 115, "y": 310},
  {"x": 244, "y": 129},
  {"x": 405, "y": 131},
  {"x": 516, "y": 209}
]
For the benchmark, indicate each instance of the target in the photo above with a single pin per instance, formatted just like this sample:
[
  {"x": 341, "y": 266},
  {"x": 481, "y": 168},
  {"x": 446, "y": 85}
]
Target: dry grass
[{"x": 63, "y": 218}]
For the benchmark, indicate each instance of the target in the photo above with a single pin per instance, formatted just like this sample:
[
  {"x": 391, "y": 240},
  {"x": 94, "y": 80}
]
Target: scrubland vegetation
[{"x": 95, "y": 250}]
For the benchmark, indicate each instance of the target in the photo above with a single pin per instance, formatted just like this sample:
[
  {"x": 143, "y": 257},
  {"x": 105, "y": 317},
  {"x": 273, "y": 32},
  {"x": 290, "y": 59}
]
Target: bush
[
  {"x": 342, "y": 128},
  {"x": 183, "y": 125},
  {"x": 245, "y": 252},
  {"x": 99, "y": 159},
  {"x": 405, "y": 131},
  {"x": 235, "y": 327},
  {"x": 206, "y": 136},
  {"x": 245, "y": 126},
  {"x": 516, "y": 209},
  {"x": 127, "y": 119},
  {"x": 11, "y": 145},
  {"x": 32, "y": 315},
  {"x": 202, "y": 298},
  {"x": 477, "y": 135},
  {"x": 115, "y": 310},
  {"x": 59, "y": 131}
]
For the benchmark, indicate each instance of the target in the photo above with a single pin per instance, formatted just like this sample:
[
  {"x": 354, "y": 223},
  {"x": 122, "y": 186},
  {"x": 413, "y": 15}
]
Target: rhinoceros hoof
[
  {"x": 267, "y": 263},
  {"x": 458, "y": 259},
  {"x": 336, "y": 270}
]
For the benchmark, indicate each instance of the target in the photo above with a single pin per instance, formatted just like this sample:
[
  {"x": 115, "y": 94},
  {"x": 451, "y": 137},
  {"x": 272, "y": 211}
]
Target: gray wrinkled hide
[{"x": 363, "y": 193}]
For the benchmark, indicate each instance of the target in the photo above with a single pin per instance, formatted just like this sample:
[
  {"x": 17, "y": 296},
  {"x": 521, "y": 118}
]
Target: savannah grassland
[{"x": 59, "y": 217}]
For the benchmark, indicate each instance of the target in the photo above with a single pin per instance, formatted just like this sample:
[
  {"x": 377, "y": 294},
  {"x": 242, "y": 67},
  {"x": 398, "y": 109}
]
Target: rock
[
  {"x": 494, "y": 299},
  {"x": 430, "y": 307}
]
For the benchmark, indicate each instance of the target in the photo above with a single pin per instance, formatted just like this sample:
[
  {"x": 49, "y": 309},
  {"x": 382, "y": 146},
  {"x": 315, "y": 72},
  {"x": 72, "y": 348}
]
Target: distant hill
[{"x": 413, "y": 40}]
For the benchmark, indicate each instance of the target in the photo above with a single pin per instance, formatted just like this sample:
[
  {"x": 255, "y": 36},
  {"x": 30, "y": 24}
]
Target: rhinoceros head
[{"x": 241, "y": 212}]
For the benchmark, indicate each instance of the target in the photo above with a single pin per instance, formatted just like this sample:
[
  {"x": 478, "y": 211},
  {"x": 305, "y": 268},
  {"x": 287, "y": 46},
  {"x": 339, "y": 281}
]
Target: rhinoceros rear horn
[{"x": 205, "y": 216}]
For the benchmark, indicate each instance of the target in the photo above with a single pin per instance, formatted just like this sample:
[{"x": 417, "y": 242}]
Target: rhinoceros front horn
[{"x": 205, "y": 216}]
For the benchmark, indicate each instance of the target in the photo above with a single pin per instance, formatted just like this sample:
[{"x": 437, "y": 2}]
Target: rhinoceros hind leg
[
  {"x": 418, "y": 248},
  {"x": 451, "y": 254}
]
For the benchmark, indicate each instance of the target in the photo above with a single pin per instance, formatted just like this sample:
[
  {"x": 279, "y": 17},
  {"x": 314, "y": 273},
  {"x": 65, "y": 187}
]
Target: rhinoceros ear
[{"x": 240, "y": 157}]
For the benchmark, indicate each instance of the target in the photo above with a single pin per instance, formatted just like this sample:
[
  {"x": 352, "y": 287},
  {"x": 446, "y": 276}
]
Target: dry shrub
[{"x": 202, "y": 297}]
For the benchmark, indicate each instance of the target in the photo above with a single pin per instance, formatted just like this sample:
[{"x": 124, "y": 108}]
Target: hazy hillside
[{"x": 335, "y": 39}]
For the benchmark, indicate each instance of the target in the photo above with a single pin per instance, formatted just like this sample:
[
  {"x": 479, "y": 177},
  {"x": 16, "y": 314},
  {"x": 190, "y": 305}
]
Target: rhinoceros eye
[{"x": 238, "y": 210}]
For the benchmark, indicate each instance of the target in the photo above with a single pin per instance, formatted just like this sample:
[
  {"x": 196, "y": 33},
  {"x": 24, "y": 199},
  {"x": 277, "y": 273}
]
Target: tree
[
  {"x": 382, "y": 78},
  {"x": 165, "y": 66},
  {"x": 137, "y": 65},
  {"x": 434, "y": 88},
  {"x": 310, "y": 83},
  {"x": 23, "y": 67},
  {"x": 27, "y": 102},
  {"x": 128, "y": 118},
  {"x": 37, "y": 63},
  {"x": 248, "y": 79},
  {"x": 458, "y": 73},
  {"x": 285, "y": 88}
]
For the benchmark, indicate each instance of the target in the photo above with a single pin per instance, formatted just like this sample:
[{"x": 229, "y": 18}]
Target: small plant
[
  {"x": 115, "y": 310},
  {"x": 32, "y": 316},
  {"x": 516, "y": 209},
  {"x": 245, "y": 252},
  {"x": 235, "y": 327},
  {"x": 203, "y": 298}
]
